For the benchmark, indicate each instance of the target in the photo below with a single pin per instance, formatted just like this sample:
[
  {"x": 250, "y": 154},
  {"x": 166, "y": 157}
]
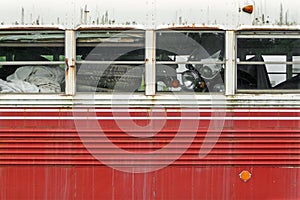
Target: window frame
[
  {"x": 230, "y": 57},
  {"x": 82, "y": 29},
  {"x": 23, "y": 30},
  {"x": 265, "y": 34},
  {"x": 206, "y": 29}
]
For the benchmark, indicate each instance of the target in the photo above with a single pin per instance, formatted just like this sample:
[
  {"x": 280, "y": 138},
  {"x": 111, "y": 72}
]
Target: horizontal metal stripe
[
  {"x": 161, "y": 99},
  {"x": 268, "y": 63},
  {"x": 190, "y": 62},
  {"x": 80, "y": 150},
  {"x": 220, "y": 146},
  {"x": 90, "y": 62},
  {"x": 144, "y": 140},
  {"x": 209, "y": 163},
  {"x": 48, "y": 152},
  {"x": 73, "y": 132},
  {"x": 234, "y": 147},
  {"x": 149, "y": 146},
  {"x": 250, "y": 118},
  {"x": 226, "y": 132},
  {"x": 143, "y": 110},
  {"x": 266, "y": 36},
  {"x": 152, "y": 158},
  {"x": 190, "y": 161},
  {"x": 287, "y": 164},
  {"x": 266, "y": 136},
  {"x": 164, "y": 133},
  {"x": 12, "y": 63},
  {"x": 151, "y": 164},
  {"x": 155, "y": 103}
]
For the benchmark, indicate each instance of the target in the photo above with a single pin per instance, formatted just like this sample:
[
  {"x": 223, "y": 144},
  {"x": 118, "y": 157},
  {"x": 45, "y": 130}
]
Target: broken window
[
  {"x": 32, "y": 61},
  {"x": 110, "y": 60},
  {"x": 190, "y": 61},
  {"x": 268, "y": 61}
]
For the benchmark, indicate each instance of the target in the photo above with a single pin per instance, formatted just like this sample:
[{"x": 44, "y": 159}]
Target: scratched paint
[{"x": 48, "y": 161}]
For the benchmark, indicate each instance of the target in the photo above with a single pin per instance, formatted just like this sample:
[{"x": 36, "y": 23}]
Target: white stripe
[
  {"x": 150, "y": 118},
  {"x": 154, "y": 109}
]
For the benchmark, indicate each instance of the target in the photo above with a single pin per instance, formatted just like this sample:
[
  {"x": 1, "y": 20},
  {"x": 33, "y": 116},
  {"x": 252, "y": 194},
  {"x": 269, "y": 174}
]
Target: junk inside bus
[{"x": 107, "y": 60}]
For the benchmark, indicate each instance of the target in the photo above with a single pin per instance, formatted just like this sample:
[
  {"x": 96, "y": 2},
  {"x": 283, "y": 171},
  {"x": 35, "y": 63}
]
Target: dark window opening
[
  {"x": 110, "y": 60},
  {"x": 32, "y": 62},
  {"x": 269, "y": 62},
  {"x": 190, "y": 61}
]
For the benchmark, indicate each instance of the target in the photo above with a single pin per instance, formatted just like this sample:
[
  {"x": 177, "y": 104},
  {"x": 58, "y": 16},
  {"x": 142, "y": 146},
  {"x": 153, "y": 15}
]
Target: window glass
[
  {"x": 190, "y": 61},
  {"x": 110, "y": 60},
  {"x": 268, "y": 62},
  {"x": 32, "y": 61}
]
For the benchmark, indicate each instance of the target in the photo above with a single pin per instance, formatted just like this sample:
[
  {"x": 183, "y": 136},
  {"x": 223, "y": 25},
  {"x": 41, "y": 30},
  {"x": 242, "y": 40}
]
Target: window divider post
[
  {"x": 70, "y": 58},
  {"x": 150, "y": 60}
]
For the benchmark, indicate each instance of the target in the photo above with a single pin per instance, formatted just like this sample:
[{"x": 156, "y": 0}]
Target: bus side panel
[
  {"x": 174, "y": 182},
  {"x": 43, "y": 155}
]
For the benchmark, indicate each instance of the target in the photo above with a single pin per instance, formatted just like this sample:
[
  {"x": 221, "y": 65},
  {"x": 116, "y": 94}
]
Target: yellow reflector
[
  {"x": 245, "y": 175},
  {"x": 248, "y": 9}
]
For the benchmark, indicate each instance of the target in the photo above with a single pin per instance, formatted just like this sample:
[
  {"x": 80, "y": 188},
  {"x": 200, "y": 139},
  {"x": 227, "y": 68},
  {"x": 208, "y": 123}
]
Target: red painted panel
[
  {"x": 59, "y": 182},
  {"x": 46, "y": 159}
]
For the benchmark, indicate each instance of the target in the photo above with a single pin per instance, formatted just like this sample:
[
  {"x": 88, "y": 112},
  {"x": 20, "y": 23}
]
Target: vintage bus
[{"x": 171, "y": 111}]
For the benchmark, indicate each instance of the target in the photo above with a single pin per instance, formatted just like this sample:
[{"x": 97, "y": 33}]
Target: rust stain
[
  {"x": 192, "y": 27},
  {"x": 104, "y": 28},
  {"x": 29, "y": 28},
  {"x": 67, "y": 61},
  {"x": 269, "y": 28}
]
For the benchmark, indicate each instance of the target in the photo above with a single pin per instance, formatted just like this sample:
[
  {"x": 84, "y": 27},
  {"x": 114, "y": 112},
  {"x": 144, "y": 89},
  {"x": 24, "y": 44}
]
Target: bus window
[
  {"x": 190, "y": 61},
  {"x": 268, "y": 61},
  {"x": 32, "y": 61},
  {"x": 110, "y": 60}
]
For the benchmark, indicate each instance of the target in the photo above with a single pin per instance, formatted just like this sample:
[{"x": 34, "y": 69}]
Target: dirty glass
[
  {"x": 110, "y": 60},
  {"x": 268, "y": 62},
  {"x": 190, "y": 61},
  {"x": 32, "y": 61}
]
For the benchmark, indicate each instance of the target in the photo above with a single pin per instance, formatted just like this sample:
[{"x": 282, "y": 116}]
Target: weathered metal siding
[
  {"x": 43, "y": 157},
  {"x": 49, "y": 136},
  {"x": 96, "y": 182}
]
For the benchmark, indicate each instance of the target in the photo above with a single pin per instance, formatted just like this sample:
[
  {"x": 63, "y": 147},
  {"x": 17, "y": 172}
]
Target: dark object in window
[
  {"x": 292, "y": 83},
  {"x": 253, "y": 76}
]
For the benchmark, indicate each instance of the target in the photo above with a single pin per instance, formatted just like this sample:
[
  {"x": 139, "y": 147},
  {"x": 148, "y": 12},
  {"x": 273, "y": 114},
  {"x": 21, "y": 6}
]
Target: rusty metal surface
[
  {"x": 94, "y": 182},
  {"x": 43, "y": 157},
  {"x": 31, "y": 27},
  {"x": 268, "y": 28},
  {"x": 262, "y": 137},
  {"x": 108, "y": 27},
  {"x": 191, "y": 27}
]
